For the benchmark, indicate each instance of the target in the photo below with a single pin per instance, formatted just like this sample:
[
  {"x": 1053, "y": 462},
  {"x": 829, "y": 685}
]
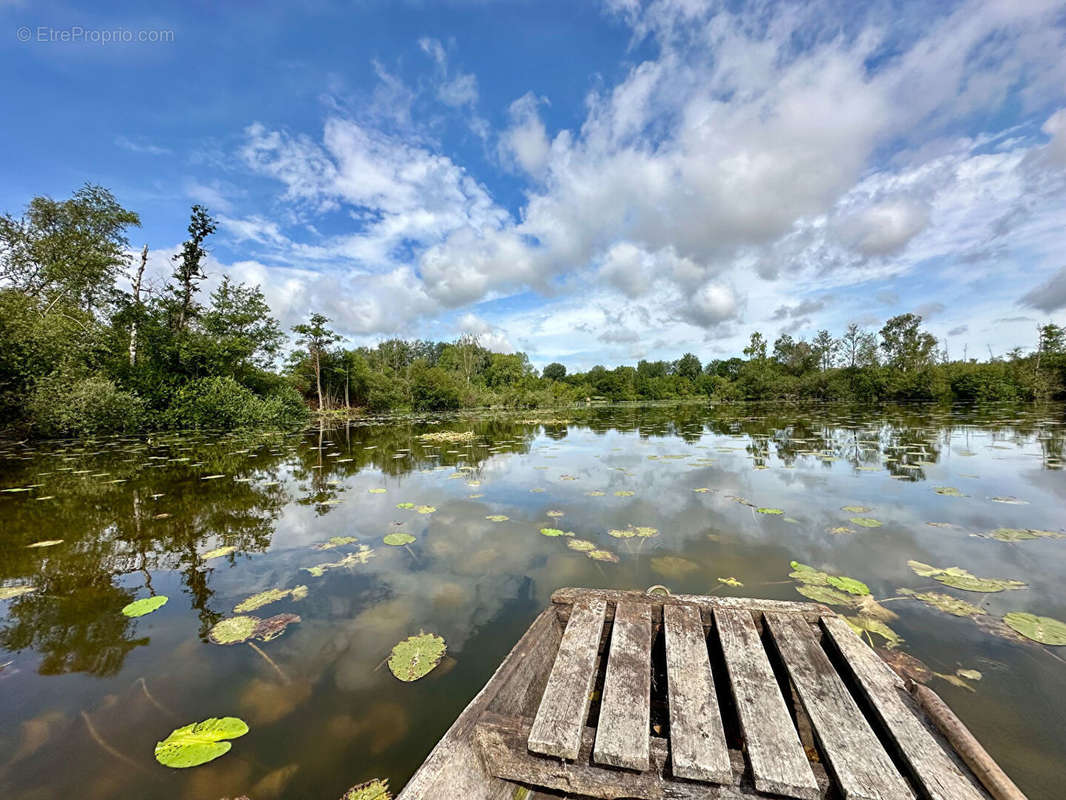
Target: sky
[{"x": 588, "y": 182}]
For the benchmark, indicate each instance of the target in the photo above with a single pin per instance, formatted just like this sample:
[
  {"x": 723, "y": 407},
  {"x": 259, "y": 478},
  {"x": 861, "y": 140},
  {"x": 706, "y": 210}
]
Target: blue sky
[{"x": 588, "y": 182}]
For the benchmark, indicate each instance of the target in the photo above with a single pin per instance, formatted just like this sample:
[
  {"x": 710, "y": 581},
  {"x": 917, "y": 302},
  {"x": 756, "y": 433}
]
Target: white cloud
[{"x": 525, "y": 142}]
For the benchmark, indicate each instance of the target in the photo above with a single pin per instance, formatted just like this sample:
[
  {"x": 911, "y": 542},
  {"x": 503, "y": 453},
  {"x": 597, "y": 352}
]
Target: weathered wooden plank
[
  {"x": 778, "y": 762},
  {"x": 564, "y": 598},
  {"x": 453, "y": 769},
  {"x": 501, "y": 743},
  {"x": 855, "y": 756},
  {"x": 931, "y": 767},
  {"x": 697, "y": 739},
  {"x": 564, "y": 707},
  {"x": 624, "y": 725}
]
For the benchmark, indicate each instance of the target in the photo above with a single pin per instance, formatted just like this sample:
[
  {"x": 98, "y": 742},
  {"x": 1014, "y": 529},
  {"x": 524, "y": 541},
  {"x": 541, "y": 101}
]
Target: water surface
[{"x": 87, "y": 691}]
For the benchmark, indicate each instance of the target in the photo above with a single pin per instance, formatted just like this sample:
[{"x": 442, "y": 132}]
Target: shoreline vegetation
[{"x": 88, "y": 345}]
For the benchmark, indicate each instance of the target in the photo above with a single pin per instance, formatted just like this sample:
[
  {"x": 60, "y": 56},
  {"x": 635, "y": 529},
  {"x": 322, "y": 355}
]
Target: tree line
[{"x": 88, "y": 345}]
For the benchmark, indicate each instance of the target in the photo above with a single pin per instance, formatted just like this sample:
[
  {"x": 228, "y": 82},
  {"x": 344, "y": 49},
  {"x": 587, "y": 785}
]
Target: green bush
[
  {"x": 224, "y": 403},
  {"x": 434, "y": 389},
  {"x": 60, "y": 405}
]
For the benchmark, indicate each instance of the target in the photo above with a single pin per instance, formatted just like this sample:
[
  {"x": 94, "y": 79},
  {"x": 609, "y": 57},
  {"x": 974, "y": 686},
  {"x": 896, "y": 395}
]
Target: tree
[
  {"x": 188, "y": 270},
  {"x": 756, "y": 349},
  {"x": 316, "y": 337},
  {"x": 854, "y": 343},
  {"x": 826, "y": 347},
  {"x": 239, "y": 324},
  {"x": 797, "y": 357},
  {"x": 688, "y": 366},
  {"x": 905, "y": 344},
  {"x": 67, "y": 251},
  {"x": 554, "y": 371},
  {"x": 1052, "y": 339}
]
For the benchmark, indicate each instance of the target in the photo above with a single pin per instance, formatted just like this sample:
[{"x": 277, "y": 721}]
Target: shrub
[
  {"x": 61, "y": 405},
  {"x": 434, "y": 389},
  {"x": 224, "y": 403}
]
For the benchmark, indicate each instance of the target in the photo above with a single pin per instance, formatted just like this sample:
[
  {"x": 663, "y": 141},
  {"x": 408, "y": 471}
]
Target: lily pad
[
  {"x": 267, "y": 597},
  {"x": 849, "y": 585},
  {"x": 622, "y": 533},
  {"x": 361, "y": 556},
  {"x": 958, "y": 578},
  {"x": 948, "y": 491},
  {"x": 824, "y": 594},
  {"x": 1020, "y": 534},
  {"x": 425, "y": 509},
  {"x": 218, "y": 552},
  {"x": 377, "y": 490},
  {"x": 969, "y": 674},
  {"x": 239, "y": 629},
  {"x": 602, "y": 555},
  {"x": 1045, "y": 630},
  {"x": 146, "y": 605},
  {"x": 730, "y": 581},
  {"x": 376, "y": 789},
  {"x": 581, "y": 545},
  {"x": 552, "y": 532},
  {"x": 497, "y": 518},
  {"x": 417, "y": 656},
  {"x": 594, "y": 494},
  {"x": 336, "y": 541},
  {"x": 841, "y": 530},
  {"x": 856, "y": 509},
  {"x": 398, "y": 539},
  {"x": 945, "y": 602},
  {"x": 200, "y": 742},
  {"x": 860, "y": 624},
  {"x": 866, "y": 522},
  {"x": 405, "y": 506},
  {"x": 555, "y": 514},
  {"x": 623, "y": 493},
  {"x": 808, "y": 575},
  {"x": 772, "y": 511}
]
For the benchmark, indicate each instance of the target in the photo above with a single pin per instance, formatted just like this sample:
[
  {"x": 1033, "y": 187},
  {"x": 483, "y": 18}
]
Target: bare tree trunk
[
  {"x": 318, "y": 378},
  {"x": 346, "y": 403},
  {"x": 137, "y": 303}
]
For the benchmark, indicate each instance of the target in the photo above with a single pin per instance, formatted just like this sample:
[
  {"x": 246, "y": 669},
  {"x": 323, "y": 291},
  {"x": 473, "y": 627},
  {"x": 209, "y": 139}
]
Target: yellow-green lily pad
[
  {"x": 200, "y": 742},
  {"x": 398, "y": 539},
  {"x": 416, "y": 656},
  {"x": 146, "y": 605},
  {"x": 1045, "y": 630}
]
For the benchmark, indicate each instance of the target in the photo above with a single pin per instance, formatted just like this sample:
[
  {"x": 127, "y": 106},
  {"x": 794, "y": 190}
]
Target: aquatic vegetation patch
[
  {"x": 200, "y": 742},
  {"x": 856, "y": 509},
  {"x": 944, "y": 602},
  {"x": 1045, "y": 630},
  {"x": 867, "y": 625},
  {"x": 948, "y": 491},
  {"x": 361, "y": 556},
  {"x": 46, "y": 543},
  {"x": 730, "y": 581},
  {"x": 554, "y": 532},
  {"x": 146, "y": 605},
  {"x": 772, "y": 511},
  {"x": 267, "y": 597},
  {"x": 218, "y": 552},
  {"x": 581, "y": 545},
  {"x": 958, "y": 578},
  {"x": 398, "y": 539},
  {"x": 376, "y": 789},
  {"x": 239, "y": 629},
  {"x": 336, "y": 541},
  {"x": 602, "y": 555},
  {"x": 417, "y": 656},
  {"x": 866, "y": 522},
  {"x": 497, "y": 518},
  {"x": 674, "y": 566},
  {"x": 1020, "y": 534},
  {"x": 448, "y": 436}
]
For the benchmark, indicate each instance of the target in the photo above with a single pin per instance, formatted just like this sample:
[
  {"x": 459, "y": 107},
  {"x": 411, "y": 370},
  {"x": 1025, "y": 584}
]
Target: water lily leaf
[
  {"x": 958, "y": 578},
  {"x": 969, "y": 674},
  {"x": 869, "y": 607},
  {"x": 866, "y": 522},
  {"x": 856, "y": 509},
  {"x": 552, "y": 532},
  {"x": 555, "y": 513},
  {"x": 644, "y": 532},
  {"x": 46, "y": 543},
  {"x": 398, "y": 539},
  {"x": 622, "y": 533},
  {"x": 773, "y": 511},
  {"x": 405, "y": 506},
  {"x": 497, "y": 518},
  {"x": 7, "y": 592},
  {"x": 1014, "y": 501},
  {"x": 416, "y": 656},
  {"x": 425, "y": 509},
  {"x": 537, "y": 490},
  {"x": 808, "y": 575},
  {"x": 298, "y": 592},
  {"x": 849, "y": 585},
  {"x": 376, "y": 789},
  {"x": 945, "y": 603},
  {"x": 235, "y": 630},
  {"x": 361, "y": 556},
  {"x": 1020, "y": 534},
  {"x": 824, "y": 594},
  {"x": 701, "y": 490},
  {"x": 623, "y": 493},
  {"x": 860, "y": 624},
  {"x": 841, "y": 530},
  {"x": 200, "y": 742},
  {"x": 594, "y": 494},
  {"x": 336, "y": 541},
  {"x": 377, "y": 490},
  {"x": 730, "y": 581},
  {"x": 581, "y": 545},
  {"x": 602, "y": 555},
  {"x": 265, "y": 598},
  {"x": 146, "y": 605},
  {"x": 218, "y": 552},
  {"x": 1045, "y": 630},
  {"x": 948, "y": 491}
]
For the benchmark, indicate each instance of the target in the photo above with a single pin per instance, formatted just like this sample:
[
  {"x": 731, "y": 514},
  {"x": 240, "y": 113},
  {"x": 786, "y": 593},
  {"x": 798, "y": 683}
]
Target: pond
[{"x": 701, "y": 499}]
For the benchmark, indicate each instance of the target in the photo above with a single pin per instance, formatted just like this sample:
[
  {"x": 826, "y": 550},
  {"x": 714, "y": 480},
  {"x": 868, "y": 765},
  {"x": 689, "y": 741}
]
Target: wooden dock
[{"x": 615, "y": 694}]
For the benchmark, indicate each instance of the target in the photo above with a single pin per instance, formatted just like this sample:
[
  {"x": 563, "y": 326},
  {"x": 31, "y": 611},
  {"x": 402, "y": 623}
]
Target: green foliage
[
  {"x": 223, "y": 403},
  {"x": 59, "y": 406},
  {"x": 554, "y": 372}
]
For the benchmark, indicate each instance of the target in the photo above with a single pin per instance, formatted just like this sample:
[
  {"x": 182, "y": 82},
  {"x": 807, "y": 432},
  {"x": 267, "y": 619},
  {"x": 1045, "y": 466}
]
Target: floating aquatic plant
[
  {"x": 416, "y": 656},
  {"x": 497, "y": 518},
  {"x": 46, "y": 543},
  {"x": 1045, "y": 630},
  {"x": 730, "y": 581},
  {"x": 267, "y": 597},
  {"x": 866, "y": 522},
  {"x": 218, "y": 552},
  {"x": 398, "y": 539},
  {"x": 771, "y": 511},
  {"x": 376, "y": 789},
  {"x": 336, "y": 541},
  {"x": 146, "y": 605},
  {"x": 581, "y": 545},
  {"x": 958, "y": 578},
  {"x": 200, "y": 742}
]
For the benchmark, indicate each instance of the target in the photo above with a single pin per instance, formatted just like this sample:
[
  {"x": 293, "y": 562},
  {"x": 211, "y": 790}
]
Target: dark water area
[{"x": 86, "y": 691}]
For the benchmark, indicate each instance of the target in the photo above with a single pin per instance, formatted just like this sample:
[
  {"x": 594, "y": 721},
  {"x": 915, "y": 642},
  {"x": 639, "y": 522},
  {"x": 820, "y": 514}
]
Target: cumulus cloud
[
  {"x": 801, "y": 309},
  {"x": 525, "y": 142},
  {"x": 489, "y": 336},
  {"x": 882, "y": 229}
]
